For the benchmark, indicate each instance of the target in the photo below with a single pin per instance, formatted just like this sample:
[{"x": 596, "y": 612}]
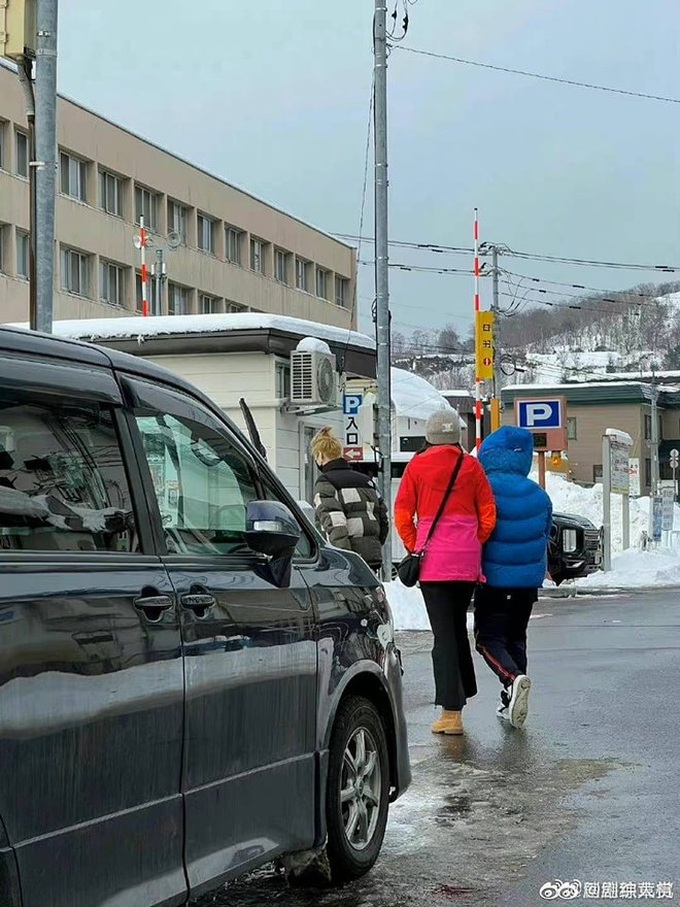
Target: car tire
[{"x": 357, "y": 794}]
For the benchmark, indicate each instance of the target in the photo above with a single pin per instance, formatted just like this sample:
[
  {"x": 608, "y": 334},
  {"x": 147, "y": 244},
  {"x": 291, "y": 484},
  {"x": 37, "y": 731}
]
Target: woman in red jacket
[{"x": 452, "y": 563}]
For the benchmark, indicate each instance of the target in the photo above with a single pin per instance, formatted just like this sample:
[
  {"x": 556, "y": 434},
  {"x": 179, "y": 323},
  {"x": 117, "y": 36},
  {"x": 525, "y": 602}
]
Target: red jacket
[{"x": 454, "y": 552}]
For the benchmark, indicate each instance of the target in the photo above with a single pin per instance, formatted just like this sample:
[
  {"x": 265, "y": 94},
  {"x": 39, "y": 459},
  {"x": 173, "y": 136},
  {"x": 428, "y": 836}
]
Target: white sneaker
[
  {"x": 518, "y": 708},
  {"x": 503, "y": 702}
]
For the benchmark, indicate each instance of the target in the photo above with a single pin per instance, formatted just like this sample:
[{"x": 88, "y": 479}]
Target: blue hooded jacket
[{"x": 515, "y": 557}]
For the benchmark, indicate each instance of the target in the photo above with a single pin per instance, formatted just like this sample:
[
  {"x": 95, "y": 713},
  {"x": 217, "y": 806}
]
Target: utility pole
[
  {"x": 25, "y": 71},
  {"x": 382, "y": 301},
  {"x": 158, "y": 272},
  {"x": 45, "y": 163},
  {"x": 496, "y": 397}
]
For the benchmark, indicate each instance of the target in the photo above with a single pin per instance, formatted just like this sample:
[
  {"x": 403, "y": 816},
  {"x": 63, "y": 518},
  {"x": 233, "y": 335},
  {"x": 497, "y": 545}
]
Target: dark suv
[
  {"x": 575, "y": 547},
  {"x": 192, "y": 682}
]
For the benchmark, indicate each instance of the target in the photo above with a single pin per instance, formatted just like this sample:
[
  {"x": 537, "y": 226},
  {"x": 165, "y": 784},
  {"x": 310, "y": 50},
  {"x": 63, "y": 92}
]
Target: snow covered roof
[
  {"x": 457, "y": 392},
  {"x": 416, "y": 398},
  {"x": 140, "y": 328}
]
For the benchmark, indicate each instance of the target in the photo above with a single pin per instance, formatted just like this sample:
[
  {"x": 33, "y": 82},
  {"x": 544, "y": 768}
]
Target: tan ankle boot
[{"x": 448, "y": 723}]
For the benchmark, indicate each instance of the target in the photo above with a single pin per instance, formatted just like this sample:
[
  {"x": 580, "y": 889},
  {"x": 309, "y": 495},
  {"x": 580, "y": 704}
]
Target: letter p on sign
[{"x": 537, "y": 413}]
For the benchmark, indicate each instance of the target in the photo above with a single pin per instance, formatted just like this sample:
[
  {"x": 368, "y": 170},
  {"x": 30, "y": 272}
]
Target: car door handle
[
  {"x": 198, "y": 601},
  {"x": 153, "y": 606}
]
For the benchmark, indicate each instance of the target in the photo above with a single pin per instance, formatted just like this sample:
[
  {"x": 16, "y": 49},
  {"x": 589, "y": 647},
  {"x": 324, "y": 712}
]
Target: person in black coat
[{"x": 350, "y": 511}]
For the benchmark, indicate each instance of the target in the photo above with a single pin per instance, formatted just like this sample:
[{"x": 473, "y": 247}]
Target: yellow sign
[{"x": 484, "y": 345}]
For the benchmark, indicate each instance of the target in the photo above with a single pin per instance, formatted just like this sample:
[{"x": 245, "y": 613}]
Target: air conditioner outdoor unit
[{"x": 313, "y": 378}]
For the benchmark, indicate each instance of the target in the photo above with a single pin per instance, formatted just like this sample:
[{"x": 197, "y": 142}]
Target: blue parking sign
[
  {"x": 539, "y": 415},
  {"x": 351, "y": 404}
]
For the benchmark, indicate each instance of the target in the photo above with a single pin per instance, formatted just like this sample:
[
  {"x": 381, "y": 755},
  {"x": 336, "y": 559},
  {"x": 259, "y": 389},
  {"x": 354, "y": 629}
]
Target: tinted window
[
  {"x": 203, "y": 484},
  {"x": 62, "y": 482}
]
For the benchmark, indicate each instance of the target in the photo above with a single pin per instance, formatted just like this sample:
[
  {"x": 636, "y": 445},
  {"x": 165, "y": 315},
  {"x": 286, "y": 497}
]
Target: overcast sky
[{"x": 274, "y": 97}]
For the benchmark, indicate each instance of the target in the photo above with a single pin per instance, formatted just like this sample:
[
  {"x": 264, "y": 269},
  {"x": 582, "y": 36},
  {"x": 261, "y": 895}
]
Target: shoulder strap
[{"x": 447, "y": 495}]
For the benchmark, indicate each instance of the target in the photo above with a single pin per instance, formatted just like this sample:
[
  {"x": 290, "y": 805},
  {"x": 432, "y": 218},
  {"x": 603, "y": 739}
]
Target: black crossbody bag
[{"x": 408, "y": 569}]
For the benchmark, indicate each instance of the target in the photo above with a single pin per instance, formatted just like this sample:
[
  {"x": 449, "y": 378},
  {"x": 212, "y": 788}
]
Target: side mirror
[{"x": 271, "y": 529}]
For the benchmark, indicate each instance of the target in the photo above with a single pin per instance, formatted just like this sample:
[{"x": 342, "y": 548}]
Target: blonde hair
[{"x": 326, "y": 445}]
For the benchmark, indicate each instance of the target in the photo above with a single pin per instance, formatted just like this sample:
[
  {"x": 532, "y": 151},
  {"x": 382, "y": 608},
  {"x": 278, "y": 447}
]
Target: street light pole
[
  {"x": 382, "y": 304},
  {"x": 45, "y": 163}
]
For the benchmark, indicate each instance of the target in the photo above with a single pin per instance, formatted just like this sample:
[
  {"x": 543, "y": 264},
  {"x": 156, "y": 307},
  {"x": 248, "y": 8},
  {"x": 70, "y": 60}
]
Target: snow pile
[
  {"x": 568, "y": 497},
  {"x": 638, "y": 569},
  {"x": 139, "y": 328},
  {"x": 408, "y": 608},
  {"x": 416, "y": 398},
  {"x": 313, "y": 345}
]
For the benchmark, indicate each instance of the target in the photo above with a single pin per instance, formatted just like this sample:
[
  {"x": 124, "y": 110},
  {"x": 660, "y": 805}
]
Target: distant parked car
[{"x": 575, "y": 547}]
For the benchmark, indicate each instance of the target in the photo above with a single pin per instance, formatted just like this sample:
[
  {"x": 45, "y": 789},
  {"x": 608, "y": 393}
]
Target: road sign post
[
  {"x": 546, "y": 419},
  {"x": 616, "y": 447},
  {"x": 675, "y": 454}
]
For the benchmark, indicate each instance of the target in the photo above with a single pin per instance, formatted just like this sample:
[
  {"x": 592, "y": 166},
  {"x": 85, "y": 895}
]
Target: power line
[
  {"x": 580, "y": 286},
  {"x": 532, "y": 256},
  {"x": 536, "y": 75}
]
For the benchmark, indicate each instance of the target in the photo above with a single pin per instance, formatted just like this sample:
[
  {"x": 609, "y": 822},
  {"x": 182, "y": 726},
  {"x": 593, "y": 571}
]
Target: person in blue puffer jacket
[{"x": 514, "y": 563}]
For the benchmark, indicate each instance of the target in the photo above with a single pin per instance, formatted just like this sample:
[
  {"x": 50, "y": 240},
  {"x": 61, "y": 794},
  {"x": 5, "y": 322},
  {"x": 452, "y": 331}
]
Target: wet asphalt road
[{"x": 588, "y": 791}]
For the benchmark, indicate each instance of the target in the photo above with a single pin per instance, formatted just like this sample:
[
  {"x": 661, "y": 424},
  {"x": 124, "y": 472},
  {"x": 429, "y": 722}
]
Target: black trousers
[
  {"x": 454, "y": 674},
  {"x": 501, "y": 621}
]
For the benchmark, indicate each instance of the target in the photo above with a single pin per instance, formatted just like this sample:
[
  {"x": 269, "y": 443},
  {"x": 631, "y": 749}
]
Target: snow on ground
[
  {"x": 638, "y": 569},
  {"x": 408, "y": 607},
  {"x": 631, "y": 569}
]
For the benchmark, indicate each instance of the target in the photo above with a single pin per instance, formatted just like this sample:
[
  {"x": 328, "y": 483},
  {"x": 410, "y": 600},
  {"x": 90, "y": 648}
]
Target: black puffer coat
[{"x": 350, "y": 511}]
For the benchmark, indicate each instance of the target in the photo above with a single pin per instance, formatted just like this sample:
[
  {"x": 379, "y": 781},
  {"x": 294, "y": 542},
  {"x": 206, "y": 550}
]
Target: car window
[
  {"x": 63, "y": 485},
  {"x": 203, "y": 484}
]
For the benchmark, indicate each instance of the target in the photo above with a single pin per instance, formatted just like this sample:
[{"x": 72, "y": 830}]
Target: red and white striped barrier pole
[
  {"x": 478, "y": 382},
  {"x": 145, "y": 273}
]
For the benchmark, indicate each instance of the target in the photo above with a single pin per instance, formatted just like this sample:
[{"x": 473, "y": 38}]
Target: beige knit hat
[{"x": 443, "y": 427}]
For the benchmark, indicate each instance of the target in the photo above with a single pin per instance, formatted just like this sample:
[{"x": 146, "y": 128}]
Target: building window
[
  {"x": 146, "y": 205},
  {"x": 597, "y": 472},
  {"x": 178, "y": 299},
  {"x": 112, "y": 283},
  {"x": 282, "y": 380},
  {"x": 233, "y": 241},
  {"x": 207, "y": 228},
  {"x": 21, "y": 153},
  {"x": 233, "y": 308},
  {"x": 302, "y": 274},
  {"x": 281, "y": 265},
  {"x": 322, "y": 281},
  {"x": 341, "y": 291},
  {"x": 648, "y": 472},
  {"x": 648, "y": 427},
  {"x": 73, "y": 176},
  {"x": 571, "y": 428},
  {"x": 3, "y": 140},
  {"x": 177, "y": 220},
  {"x": 4, "y": 230},
  {"x": 75, "y": 272},
  {"x": 208, "y": 305},
  {"x": 23, "y": 254},
  {"x": 111, "y": 193},
  {"x": 257, "y": 253}
]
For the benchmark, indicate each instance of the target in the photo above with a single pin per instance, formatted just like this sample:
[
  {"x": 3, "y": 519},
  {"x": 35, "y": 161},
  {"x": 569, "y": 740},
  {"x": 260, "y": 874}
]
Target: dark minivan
[{"x": 192, "y": 683}]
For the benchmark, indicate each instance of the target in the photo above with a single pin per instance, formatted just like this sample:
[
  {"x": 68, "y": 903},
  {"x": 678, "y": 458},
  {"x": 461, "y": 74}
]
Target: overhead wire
[{"x": 575, "y": 83}]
